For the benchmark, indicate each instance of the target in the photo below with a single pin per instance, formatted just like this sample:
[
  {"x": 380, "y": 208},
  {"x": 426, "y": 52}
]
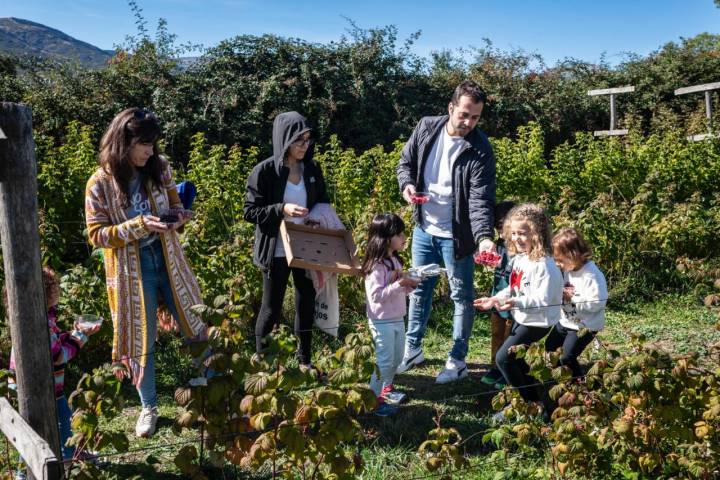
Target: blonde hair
[{"x": 539, "y": 225}]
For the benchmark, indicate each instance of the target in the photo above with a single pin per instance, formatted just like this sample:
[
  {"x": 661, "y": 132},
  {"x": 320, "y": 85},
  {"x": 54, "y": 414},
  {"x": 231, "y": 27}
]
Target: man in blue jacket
[{"x": 452, "y": 162}]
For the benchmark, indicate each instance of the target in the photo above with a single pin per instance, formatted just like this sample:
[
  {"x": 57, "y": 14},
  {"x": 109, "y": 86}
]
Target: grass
[{"x": 679, "y": 323}]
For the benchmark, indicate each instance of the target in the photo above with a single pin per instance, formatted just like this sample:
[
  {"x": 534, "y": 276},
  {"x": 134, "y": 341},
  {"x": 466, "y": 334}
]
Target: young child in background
[
  {"x": 386, "y": 289},
  {"x": 534, "y": 294},
  {"x": 584, "y": 298},
  {"x": 64, "y": 346},
  {"x": 500, "y": 321}
]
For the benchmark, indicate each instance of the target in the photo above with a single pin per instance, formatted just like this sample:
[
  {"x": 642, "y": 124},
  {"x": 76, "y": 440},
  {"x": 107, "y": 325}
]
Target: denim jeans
[
  {"x": 64, "y": 413},
  {"x": 155, "y": 283},
  {"x": 427, "y": 249}
]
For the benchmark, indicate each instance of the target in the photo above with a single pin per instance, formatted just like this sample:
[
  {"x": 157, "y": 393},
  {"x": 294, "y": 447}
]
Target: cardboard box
[{"x": 319, "y": 249}]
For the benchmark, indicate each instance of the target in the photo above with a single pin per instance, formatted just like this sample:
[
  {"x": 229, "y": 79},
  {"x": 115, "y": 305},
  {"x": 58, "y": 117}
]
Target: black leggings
[
  {"x": 515, "y": 370},
  {"x": 572, "y": 346},
  {"x": 275, "y": 282}
]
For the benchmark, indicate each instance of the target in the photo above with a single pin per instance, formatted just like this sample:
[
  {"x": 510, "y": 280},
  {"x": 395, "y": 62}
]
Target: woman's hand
[
  {"x": 293, "y": 210},
  {"x": 153, "y": 224},
  {"x": 183, "y": 217},
  {"x": 120, "y": 371}
]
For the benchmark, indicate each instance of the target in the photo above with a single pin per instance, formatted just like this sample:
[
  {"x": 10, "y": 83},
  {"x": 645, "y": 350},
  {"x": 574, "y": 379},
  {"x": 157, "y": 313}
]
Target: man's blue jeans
[{"x": 428, "y": 249}]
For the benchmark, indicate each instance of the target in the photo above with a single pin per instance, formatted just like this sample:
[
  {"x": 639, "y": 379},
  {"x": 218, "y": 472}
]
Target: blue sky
[{"x": 553, "y": 28}]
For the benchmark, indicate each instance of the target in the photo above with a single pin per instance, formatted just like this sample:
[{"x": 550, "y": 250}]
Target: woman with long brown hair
[{"x": 132, "y": 211}]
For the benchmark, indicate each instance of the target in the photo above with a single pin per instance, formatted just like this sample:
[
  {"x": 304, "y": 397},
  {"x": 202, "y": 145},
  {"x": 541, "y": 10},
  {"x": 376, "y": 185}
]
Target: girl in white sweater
[
  {"x": 534, "y": 294},
  {"x": 584, "y": 297}
]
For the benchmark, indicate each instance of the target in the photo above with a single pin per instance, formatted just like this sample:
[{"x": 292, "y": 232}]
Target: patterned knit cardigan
[{"x": 110, "y": 229}]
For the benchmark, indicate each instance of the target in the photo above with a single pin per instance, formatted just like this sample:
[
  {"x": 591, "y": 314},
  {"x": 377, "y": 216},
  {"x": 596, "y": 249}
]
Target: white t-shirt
[
  {"x": 294, "y": 193},
  {"x": 586, "y": 308},
  {"x": 437, "y": 213}
]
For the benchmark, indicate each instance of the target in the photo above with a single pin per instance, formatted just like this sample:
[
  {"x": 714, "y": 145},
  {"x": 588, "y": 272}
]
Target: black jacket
[
  {"x": 266, "y": 187},
  {"x": 473, "y": 181}
]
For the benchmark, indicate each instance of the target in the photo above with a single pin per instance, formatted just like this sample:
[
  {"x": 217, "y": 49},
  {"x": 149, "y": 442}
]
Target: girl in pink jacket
[{"x": 386, "y": 289}]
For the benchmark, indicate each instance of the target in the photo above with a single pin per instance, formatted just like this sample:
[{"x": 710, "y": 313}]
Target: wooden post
[
  {"x": 707, "y": 88},
  {"x": 35, "y": 451},
  {"x": 26, "y": 310},
  {"x": 613, "y": 111},
  {"x": 708, "y": 110}
]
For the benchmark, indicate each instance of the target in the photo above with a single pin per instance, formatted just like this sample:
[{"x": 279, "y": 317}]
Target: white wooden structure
[
  {"x": 613, "y": 111},
  {"x": 707, "y": 89}
]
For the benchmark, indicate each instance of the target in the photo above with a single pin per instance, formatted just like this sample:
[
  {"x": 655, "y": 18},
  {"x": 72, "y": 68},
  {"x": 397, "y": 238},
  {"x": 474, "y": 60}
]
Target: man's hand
[
  {"x": 486, "y": 245},
  {"x": 409, "y": 192}
]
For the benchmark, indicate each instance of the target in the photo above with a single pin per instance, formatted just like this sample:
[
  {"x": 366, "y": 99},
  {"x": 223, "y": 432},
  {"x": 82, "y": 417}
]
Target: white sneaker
[
  {"x": 394, "y": 398},
  {"x": 454, "y": 370},
  {"x": 145, "y": 425},
  {"x": 410, "y": 359},
  {"x": 498, "y": 417}
]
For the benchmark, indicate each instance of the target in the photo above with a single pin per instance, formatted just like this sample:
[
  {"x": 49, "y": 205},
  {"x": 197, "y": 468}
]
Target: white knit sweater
[
  {"x": 536, "y": 288},
  {"x": 586, "y": 309}
]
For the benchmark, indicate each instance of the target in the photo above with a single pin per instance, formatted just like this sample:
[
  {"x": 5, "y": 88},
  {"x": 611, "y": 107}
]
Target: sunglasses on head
[{"x": 140, "y": 115}]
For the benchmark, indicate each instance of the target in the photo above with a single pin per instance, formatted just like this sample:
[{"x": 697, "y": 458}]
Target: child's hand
[
  {"x": 568, "y": 292},
  {"x": 484, "y": 303},
  {"x": 407, "y": 281},
  {"x": 395, "y": 275},
  {"x": 87, "y": 330},
  {"x": 506, "y": 305}
]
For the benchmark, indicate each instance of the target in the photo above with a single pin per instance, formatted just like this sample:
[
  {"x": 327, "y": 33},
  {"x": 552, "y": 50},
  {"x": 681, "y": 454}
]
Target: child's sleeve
[
  {"x": 378, "y": 287},
  {"x": 101, "y": 231},
  {"x": 540, "y": 294},
  {"x": 591, "y": 297},
  {"x": 66, "y": 346}
]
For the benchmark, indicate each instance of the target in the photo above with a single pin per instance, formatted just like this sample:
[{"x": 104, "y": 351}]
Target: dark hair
[
  {"x": 569, "y": 243},
  {"x": 383, "y": 228},
  {"x": 501, "y": 211},
  {"x": 470, "y": 89},
  {"x": 128, "y": 128}
]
